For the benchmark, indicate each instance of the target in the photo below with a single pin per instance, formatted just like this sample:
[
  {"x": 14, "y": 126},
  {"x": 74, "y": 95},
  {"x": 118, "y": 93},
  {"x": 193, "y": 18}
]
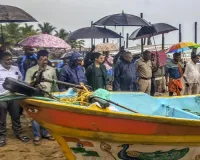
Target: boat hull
[
  {"x": 93, "y": 133},
  {"x": 84, "y": 149}
]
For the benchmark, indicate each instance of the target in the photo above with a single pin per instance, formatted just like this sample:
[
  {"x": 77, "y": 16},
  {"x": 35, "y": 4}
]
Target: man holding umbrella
[
  {"x": 125, "y": 74},
  {"x": 27, "y": 61}
]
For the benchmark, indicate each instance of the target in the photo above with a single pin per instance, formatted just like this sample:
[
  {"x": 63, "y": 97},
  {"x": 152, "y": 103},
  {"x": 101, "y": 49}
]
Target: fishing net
[{"x": 82, "y": 96}]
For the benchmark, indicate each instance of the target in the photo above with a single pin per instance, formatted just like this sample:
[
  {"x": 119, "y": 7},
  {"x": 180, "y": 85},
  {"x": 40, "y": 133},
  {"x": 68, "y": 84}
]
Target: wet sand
[{"x": 17, "y": 150}]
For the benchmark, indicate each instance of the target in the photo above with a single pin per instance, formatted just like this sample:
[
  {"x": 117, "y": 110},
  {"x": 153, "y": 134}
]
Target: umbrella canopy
[
  {"x": 93, "y": 32},
  {"x": 121, "y": 19},
  {"x": 182, "y": 46},
  {"x": 106, "y": 47},
  {"x": 14, "y": 14},
  {"x": 45, "y": 41},
  {"x": 149, "y": 31}
]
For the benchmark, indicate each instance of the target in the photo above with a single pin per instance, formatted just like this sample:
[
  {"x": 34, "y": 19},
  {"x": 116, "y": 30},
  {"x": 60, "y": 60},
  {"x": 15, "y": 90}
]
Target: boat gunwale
[{"x": 111, "y": 114}]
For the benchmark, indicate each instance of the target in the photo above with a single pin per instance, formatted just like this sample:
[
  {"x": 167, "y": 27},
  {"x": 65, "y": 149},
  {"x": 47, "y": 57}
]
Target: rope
[{"x": 81, "y": 98}]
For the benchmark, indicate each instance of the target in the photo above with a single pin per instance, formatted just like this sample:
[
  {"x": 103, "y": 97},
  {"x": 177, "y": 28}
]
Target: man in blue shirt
[{"x": 27, "y": 61}]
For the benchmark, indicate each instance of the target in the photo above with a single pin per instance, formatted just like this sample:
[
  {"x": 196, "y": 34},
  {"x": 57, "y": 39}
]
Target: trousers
[
  {"x": 192, "y": 89},
  {"x": 38, "y": 131},
  {"x": 13, "y": 108},
  {"x": 145, "y": 86}
]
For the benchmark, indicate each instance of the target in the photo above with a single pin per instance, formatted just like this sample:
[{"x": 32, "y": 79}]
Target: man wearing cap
[
  {"x": 47, "y": 72},
  {"x": 7, "y": 70},
  {"x": 191, "y": 75},
  {"x": 173, "y": 75},
  {"x": 73, "y": 72}
]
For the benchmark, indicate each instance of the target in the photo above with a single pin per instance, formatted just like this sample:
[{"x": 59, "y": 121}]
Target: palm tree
[
  {"x": 77, "y": 43},
  {"x": 28, "y": 30},
  {"x": 11, "y": 33},
  {"x": 46, "y": 28},
  {"x": 62, "y": 33}
]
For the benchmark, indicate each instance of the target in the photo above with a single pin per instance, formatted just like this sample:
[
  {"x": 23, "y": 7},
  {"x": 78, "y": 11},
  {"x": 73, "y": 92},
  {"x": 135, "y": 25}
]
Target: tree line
[{"x": 13, "y": 33}]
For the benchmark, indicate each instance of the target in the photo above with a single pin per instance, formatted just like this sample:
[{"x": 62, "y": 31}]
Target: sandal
[
  {"x": 2, "y": 142},
  {"x": 23, "y": 138},
  {"x": 49, "y": 137},
  {"x": 36, "y": 141}
]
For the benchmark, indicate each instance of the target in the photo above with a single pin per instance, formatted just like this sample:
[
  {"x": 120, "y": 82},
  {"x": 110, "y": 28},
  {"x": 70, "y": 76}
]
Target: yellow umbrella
[{"x": 106, "y": 47}]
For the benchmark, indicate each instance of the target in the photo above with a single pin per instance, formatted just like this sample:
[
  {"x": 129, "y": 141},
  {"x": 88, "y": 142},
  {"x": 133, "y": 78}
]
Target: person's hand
[{"x": 187, "y": 84}]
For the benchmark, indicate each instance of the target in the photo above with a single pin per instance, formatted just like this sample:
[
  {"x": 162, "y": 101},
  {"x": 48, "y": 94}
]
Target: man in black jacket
[{"x": 125, "y": 74}]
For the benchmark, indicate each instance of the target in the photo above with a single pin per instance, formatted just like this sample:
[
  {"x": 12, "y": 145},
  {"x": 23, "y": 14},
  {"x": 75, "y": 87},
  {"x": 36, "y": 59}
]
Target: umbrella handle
[{"x": 2, "y": 37}]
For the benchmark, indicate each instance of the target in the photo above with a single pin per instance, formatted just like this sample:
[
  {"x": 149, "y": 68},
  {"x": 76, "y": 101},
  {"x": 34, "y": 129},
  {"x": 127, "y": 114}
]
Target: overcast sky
[{"x": 74, "y": 14}]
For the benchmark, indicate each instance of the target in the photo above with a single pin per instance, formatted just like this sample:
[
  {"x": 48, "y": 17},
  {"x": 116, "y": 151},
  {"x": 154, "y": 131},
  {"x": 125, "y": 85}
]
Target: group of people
[
  {"x": 124, "y": 72},
  {"x": 183, "y": 79}
]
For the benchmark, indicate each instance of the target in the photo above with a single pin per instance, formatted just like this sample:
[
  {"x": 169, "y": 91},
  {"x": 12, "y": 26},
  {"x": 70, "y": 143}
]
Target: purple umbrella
[{"x": 45, "y": 41}]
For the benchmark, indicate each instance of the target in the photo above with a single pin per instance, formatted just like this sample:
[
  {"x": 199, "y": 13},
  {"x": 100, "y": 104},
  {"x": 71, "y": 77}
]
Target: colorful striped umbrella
[{"x": 182, "y": 46}]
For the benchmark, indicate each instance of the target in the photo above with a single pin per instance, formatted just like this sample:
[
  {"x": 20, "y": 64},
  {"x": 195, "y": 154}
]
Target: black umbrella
[
  {"x": 13, "y": 14},
  {"x": 149, "y": 31},
  {"x": 93, "y": 32},
  {"x": 121, "y": 19}
]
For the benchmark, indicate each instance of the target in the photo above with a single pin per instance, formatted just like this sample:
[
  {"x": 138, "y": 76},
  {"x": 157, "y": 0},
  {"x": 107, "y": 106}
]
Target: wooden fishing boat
[{"x": 162, "y": 129}]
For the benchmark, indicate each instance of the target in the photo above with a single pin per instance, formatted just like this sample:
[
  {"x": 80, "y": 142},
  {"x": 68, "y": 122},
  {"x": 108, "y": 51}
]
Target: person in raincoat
[
  {"x": 125, "y": 74},
  {"x": 73, "y": 72},
  {"x": 96, "y": 73}
]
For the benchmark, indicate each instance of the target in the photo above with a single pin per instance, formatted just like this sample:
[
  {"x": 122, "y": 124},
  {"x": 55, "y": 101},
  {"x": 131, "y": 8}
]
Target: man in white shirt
[
  {"x": 7, "y": 70},
  {"x": 191, "y": 75}
]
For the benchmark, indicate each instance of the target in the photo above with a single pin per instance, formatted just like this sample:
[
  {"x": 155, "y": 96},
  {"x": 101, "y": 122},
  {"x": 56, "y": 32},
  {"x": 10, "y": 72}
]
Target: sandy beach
[{"x": 16, "y": 150}]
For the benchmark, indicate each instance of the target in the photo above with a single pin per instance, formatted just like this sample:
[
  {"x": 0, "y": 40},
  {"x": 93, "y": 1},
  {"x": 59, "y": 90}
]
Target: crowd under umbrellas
[{"x": 97, "y": 71}]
